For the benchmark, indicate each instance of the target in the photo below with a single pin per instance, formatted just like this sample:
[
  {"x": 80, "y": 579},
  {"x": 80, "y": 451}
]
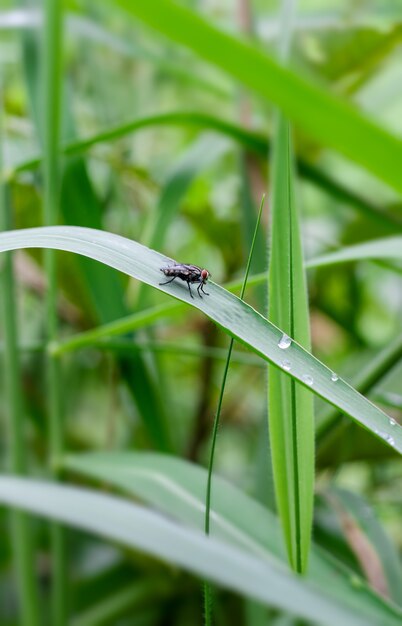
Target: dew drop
[
  {"x": 306, "y": 378},
  {"x": 388, "y": 438},
  {"x": 334, "y": 377},
  {"x": 392, "y": 422},
  {"x": 286, "y": 365},
  {"x": 284, "y": 342}
]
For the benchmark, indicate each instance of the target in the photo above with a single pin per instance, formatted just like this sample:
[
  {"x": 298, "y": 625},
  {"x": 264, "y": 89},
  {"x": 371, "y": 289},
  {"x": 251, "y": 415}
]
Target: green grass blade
[
  {"x": 236, "y": 317},
  {"x": 23, "y": 549},
  {"x": 207, "y": 591},
  {"x": 290, "y": 406},
  {"x": 51, "y": 106},
  {"x": 133, "y": 526},
  {"x": 386, "y": 248},
  {"x": 291, "y": 418},
  {"x": 335, "y": 123},
  {"x": 177, "y": 488}
]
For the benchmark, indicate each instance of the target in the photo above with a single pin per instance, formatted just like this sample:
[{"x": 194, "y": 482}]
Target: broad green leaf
[
  {"x": 236, "y": 317},
  {"x": 133, "y": 526},
  {"x": 177, "y": 488},
  {"x": 387, "y": 248},
  {"x": 331, "y": 121},
  {"x": 291, "y": 417}
]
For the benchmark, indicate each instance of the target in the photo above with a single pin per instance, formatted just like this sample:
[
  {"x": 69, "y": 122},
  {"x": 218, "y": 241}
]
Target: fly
[{"x": 189, "y": 274}]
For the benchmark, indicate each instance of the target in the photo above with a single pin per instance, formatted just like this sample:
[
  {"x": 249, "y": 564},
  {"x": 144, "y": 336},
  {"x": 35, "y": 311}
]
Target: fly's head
[{"x": 204, "y": 276}]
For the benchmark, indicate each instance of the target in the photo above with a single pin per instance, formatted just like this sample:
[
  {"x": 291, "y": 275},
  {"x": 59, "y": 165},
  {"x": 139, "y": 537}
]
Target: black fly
[{"x": 188, "y": 273}]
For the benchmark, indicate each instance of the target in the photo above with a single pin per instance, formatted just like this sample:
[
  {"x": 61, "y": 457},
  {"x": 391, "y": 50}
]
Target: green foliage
[{"x": 143, "y": 131}]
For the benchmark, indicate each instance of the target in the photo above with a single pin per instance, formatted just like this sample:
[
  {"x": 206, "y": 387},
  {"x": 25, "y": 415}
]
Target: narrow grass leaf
[
  {"x": 207, "y": 590},
  {"x": 235, "y": 316},
  {"x": 50, "y": 101},
  {"x": 290, "y": 406},
  {"x": 386, "y": 248},
  {"x": 136, "y": 527},
  {"x": 291, "y": 418},
  {"x": 22, "y": 543}
]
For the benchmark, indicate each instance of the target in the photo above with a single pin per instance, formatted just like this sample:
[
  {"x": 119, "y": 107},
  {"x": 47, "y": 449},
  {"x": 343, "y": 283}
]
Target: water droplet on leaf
[
  {"x": 284, "y": 342},
  {"x": 388, "y": 438}
]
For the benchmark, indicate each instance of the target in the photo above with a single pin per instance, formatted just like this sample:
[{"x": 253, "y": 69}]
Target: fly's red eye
[{"x": 204, "y": 274}]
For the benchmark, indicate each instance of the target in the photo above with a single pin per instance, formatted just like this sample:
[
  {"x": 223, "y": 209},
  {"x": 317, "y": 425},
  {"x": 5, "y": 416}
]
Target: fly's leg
[
  {"x": 202, "y": 289},
  {"x": 198, "y": 290},
  {"x": 189, "y": 288},
  {"x": 168, "y": 281}
]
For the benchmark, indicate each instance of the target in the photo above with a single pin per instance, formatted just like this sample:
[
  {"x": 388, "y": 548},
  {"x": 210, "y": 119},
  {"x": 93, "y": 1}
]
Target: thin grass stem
[
  {"x": 23, "y": 548},
  {"x": 207, "y": 587},
  {"x": 52, "y": 73}
]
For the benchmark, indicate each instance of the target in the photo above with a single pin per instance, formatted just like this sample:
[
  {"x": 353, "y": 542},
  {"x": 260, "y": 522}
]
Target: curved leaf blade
[
  {"x": 136, "y": 527},
  {"x": 236, "y": 317},
  {"x": 177, "y": 487}
]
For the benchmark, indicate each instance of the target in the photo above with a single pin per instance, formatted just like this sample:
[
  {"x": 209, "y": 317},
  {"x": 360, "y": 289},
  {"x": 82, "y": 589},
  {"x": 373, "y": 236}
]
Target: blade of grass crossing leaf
[
  {"x": 291, "y": 419},
  {"x": 23, "y": 552},
  {"x": 51, "y": 106},
  {"x": 207, "y": 589}
]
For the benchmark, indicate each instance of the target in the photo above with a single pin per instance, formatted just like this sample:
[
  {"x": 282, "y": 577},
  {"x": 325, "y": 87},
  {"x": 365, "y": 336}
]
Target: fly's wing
[
  {"x": 177, "y": 269},
  {"x": 189, "y": 273},
  {"x": 194, "y": 273},
  {"x": 182, "y": 268}
]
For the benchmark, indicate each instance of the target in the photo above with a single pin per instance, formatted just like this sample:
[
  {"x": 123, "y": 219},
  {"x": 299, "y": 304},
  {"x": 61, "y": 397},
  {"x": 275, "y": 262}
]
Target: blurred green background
[{"x": 169, "y": 174}]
